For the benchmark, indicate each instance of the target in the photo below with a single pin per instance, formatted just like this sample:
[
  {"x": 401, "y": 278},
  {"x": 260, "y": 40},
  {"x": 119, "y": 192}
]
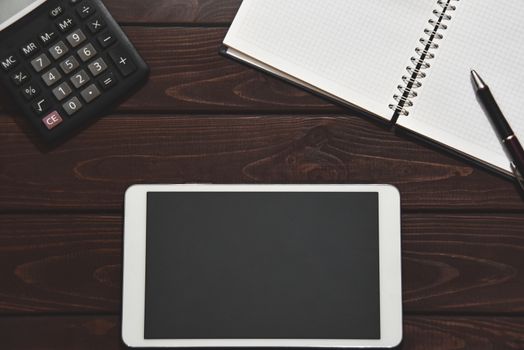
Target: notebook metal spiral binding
[{"x": 416, "y": 73}]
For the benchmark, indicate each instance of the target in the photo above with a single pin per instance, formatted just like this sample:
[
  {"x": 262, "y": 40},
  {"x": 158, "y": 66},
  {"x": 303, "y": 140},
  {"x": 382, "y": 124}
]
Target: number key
[
  {"x": 76, "y": 38},
  {"x": 58, "y": 50},
  {"x": 87, "y": 52},
  {"x": 69, "y": 65},
  {"x": 79, "y": 79},
  {"x": 51, "y": 77},
  {"x": 97, "y": 67},
  {"x": 40, "y": 63},
  {"x": 62, "y": 91},
  {"x": 72, "y": 106}
]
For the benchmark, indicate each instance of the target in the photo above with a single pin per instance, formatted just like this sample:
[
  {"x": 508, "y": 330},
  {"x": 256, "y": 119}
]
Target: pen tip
[{"x": 477, "y": 80}]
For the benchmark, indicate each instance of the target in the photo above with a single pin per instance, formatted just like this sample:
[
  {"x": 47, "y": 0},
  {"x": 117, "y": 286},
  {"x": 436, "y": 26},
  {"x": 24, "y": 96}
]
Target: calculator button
[
  {"x": 97, "y": 67},
  {"x": 106, "y": 39},
  {"x": 95, "y": 25},
  {"x": 107, "y": 80},
  {"x": 72, "y": 106},
  {"x": 19, "y": 77},
  {"x": 62, "y": 91},
  {"x": 58, "y": 50},
  {"x": 76, "y": 38},
  {"x": 65, "y": 24},
  {"x": 87, "y": 52},
  {"x": 56, "y": 11},
  {"x": 40, "y": 63},
  {"x": 122, "y": 61},
  {"x": 85, "y": 10},
  {"x": 90, "y": 93},
  {"x": 40, "y": 106},
  {"x": 79, "y": 79},
  {"x": 52, "y": 120},
  {"x": 30, "y": 91},
  {"x": 69, "y": 65},
  {"x": 47, "y": 37},
  {"x": 8, "y": 62},
  {"x": 51, "y": 77},
  {"x": 29, "y": 49}
]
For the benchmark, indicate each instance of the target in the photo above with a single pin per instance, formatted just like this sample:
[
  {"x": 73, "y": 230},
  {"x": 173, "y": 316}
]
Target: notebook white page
[
  {"x": 354, "y": 50},
  {"x": 486, "y": 36}
]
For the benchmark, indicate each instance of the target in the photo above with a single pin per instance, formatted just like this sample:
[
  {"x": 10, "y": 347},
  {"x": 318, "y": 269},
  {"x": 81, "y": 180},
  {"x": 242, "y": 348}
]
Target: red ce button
[{"x": 52, "y": 120}]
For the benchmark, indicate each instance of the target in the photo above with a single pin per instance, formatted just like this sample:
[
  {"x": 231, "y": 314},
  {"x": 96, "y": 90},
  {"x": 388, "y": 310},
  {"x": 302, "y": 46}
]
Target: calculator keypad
[{"x": 69, "y": 63}]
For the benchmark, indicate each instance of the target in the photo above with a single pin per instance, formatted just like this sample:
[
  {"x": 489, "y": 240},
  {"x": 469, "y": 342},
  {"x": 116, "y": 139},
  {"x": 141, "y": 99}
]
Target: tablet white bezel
[{"x": 134, "y": 268}]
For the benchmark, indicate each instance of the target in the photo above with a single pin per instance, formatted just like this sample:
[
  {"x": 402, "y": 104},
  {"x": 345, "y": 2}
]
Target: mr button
[{"x": 52, "y": 120}]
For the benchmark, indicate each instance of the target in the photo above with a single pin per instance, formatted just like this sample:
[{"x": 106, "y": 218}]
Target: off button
[{"x": 52, "y": 120}]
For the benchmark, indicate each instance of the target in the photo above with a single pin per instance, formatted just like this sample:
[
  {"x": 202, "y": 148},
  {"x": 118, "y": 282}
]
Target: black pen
[{"x": 502, "y": 126}]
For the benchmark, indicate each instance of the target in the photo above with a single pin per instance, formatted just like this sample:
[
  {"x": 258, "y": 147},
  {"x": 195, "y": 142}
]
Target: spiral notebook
[{"x": 406, "y": 61}]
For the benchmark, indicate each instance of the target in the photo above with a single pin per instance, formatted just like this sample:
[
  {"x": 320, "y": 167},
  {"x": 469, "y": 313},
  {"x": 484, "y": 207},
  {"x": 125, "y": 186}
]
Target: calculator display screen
[{"x": 13, "y": 10}]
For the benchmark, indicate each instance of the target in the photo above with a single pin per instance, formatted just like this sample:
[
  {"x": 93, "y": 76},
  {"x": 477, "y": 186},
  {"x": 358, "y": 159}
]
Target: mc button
[{"x": 8, "y": 62}]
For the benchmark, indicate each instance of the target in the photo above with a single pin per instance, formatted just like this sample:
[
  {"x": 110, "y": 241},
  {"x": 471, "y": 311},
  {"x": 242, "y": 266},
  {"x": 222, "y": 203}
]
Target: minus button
[{"x": 106, "y": 39}]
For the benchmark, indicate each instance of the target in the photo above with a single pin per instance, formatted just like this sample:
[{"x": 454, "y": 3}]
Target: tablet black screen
[{"x": 262, "y": 265}]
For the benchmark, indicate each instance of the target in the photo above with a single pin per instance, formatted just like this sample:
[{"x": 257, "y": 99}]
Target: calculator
[{"x": 65, "y": 62}]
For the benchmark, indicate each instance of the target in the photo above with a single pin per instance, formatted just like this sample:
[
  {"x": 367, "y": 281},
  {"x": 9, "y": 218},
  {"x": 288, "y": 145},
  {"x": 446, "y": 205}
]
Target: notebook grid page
[
  {"x": 351, "y": 49},
  {"x": 484, "y": 36}
]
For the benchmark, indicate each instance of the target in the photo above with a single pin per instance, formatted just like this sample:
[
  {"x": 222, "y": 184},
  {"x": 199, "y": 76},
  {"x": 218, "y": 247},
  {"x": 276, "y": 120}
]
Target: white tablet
[{"x": 262, "y": 266}]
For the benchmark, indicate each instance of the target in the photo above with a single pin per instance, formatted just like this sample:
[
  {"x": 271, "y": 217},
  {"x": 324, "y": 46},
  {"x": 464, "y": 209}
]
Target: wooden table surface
[{"x": 204, "y": 118}]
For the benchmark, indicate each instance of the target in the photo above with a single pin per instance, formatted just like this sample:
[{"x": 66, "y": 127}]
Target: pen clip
[{"x": 518, "y": 175}]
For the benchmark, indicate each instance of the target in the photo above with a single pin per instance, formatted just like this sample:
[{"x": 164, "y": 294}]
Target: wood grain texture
[
  {"x": 420, "y": 333},
  {"x": 72, "y": 263},
  {"x": 93, "y": 169},
  {"x": 179, "y": 12},
  {"x": 188, "y": 74}
]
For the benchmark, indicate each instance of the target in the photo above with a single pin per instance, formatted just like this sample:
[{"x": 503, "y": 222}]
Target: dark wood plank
[
  {"x": 93, "y": 169},
  {"x": 188, "y": 74},
  {"x": 420, "y": 332},
  {"x": 72, "y": 263},
  {"x": 179, "y": 12}
]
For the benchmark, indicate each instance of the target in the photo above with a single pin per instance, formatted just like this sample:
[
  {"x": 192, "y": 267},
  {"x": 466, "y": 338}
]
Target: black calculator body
[{"x": 67, "y": 62}]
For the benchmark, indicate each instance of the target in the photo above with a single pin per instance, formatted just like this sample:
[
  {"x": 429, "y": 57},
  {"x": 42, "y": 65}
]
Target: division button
[
  {"x": 52, "y": 120},
  {"x": 90, "y": 93},
  {"x": 72, "y": 106},
  {"x": 121, "y": 59},
  {"x": 85, "y": 10}
]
